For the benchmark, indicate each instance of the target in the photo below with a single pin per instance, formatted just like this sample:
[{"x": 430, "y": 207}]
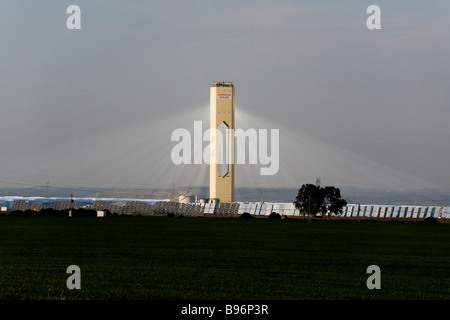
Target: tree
[
  {"x": 333, "y": 201},
  {"x": 246, "y": 215},
  {"x": 309, "y": 200},
  {"x": 312, "y": 199},
  {"x": 274, "y": 215}
]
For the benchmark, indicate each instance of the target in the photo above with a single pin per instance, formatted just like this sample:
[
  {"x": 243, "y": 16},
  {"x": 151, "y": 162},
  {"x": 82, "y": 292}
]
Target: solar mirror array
[
  {"x": 396, "y": 211},
  {"x": 136, "y": 207}
]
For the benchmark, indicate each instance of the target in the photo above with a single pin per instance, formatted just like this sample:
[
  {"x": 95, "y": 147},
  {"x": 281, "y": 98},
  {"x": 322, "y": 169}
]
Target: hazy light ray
[
  {"x": 139, "y": 156},
  {"x": 161, "y": 169},
  {"x": 145, "y": 147},
  {"x": 320, "y": 159},
  {"x": 288, "y": 165}
]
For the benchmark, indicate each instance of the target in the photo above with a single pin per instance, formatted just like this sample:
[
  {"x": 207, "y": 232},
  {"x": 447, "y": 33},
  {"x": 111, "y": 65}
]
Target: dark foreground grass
[{"x": 227, "y": 258}]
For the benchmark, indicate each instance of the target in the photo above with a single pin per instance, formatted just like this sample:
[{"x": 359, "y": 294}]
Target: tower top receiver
[{"x": 222, "y": 84}]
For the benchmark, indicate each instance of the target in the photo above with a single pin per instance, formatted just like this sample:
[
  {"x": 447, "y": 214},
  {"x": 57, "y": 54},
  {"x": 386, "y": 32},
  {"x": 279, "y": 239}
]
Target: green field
[{"x": 221, "y": 258}]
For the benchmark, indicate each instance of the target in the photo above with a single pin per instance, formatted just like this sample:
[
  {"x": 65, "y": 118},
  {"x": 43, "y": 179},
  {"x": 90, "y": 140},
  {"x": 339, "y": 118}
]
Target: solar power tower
[{"x": 221, "y": 168}]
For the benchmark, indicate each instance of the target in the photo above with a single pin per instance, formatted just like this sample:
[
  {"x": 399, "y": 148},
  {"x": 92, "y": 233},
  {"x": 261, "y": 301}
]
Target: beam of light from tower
[{"x": 303, "y": 158}]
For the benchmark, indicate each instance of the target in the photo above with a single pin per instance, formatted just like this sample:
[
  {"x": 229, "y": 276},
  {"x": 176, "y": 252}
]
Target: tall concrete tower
[{"x": 221, "y": 168}]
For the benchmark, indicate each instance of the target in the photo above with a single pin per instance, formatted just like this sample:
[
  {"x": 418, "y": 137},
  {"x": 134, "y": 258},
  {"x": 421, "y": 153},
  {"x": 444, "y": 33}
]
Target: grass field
[{"x": 221, "y": 258}]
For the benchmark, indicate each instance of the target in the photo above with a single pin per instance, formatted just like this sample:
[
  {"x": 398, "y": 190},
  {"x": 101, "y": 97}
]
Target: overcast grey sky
[{"x": 96, "y": 107}]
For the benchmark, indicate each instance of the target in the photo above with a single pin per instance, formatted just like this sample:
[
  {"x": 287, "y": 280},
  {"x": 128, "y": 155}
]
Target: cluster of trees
[
  {"x": 312, "y": 200},
  {"x": 272, "y": 215}
]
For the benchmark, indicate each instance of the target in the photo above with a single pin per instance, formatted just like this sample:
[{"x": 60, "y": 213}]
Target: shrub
[
  {"x": 245, "y": 215},
  {"x": 18, "y": 213},
  {"x": 49, "y": 212},
  {"x": 26, "y": 213},
  {"x": 431, "y": 220},
  {"x": 84, "y": 213},
  {"x": 274, "y": 215},
  {"x": 171, "y": 214}
]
